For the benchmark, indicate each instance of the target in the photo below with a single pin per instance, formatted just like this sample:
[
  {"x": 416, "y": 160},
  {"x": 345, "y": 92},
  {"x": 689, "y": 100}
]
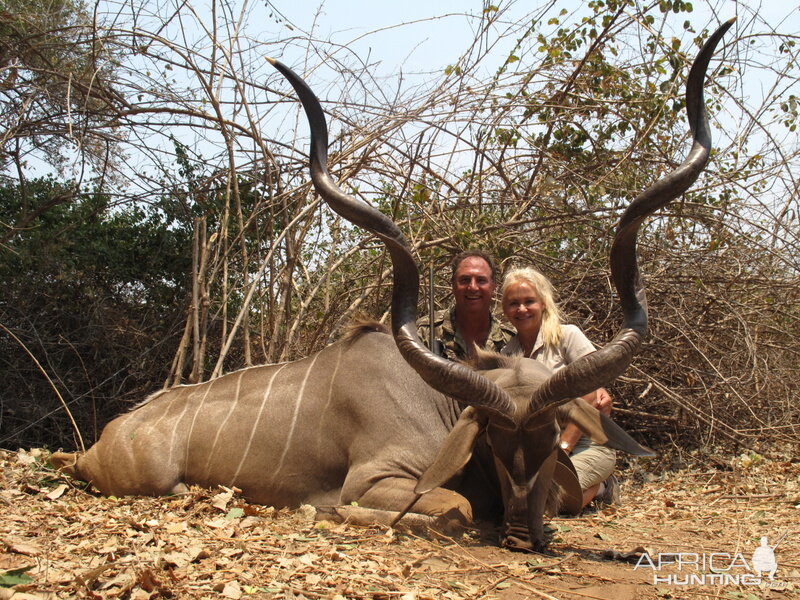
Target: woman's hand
[
  {"x": 603, "y": 401},
  {"x": 600, "y": 399}
]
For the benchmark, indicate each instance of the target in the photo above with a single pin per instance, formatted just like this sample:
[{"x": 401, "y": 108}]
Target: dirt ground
[{"x": 59, "y": 541}]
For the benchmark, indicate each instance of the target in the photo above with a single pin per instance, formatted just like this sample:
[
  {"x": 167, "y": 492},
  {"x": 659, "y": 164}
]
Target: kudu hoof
[
  {"x": 518, "y": 545},
  {"x": 519, "y": 540}
]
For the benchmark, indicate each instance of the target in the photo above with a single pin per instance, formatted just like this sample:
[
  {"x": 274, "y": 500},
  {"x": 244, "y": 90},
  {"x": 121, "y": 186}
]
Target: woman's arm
[{"x": 602, "y": 401}]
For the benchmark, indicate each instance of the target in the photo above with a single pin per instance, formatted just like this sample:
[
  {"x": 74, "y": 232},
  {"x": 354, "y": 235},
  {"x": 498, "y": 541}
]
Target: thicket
[
  {"x": 205, "y": 248},
  {"x": 93, "y": 301}
]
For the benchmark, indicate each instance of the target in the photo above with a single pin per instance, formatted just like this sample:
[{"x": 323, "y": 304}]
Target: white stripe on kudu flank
[
  {"x": 330, "y": 385},
  {"x": 153, "y": 426},
  {"x": 294, "y": 418},
  {"x": 256, "y": 422},
  {"x": 176, "y": 426},
  {"x": 231, "y": 407},
  {"x": 321, "y": 433}
]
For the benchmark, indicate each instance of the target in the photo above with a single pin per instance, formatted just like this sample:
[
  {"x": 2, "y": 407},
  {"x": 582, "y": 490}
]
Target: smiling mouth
[{"x": 521, "y": 320}]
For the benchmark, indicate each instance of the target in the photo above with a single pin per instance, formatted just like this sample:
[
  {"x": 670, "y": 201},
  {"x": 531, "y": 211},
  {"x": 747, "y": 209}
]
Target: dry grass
[{"x": 212, "y": 544}]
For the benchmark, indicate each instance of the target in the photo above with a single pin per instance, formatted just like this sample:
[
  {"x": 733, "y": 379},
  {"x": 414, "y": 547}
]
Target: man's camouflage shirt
[{"x": 451, "y": 345}]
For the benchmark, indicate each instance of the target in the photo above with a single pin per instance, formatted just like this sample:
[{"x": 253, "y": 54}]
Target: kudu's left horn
[
  {"x": 601, "y": 367},
  {"x": 450, "y": 378}
]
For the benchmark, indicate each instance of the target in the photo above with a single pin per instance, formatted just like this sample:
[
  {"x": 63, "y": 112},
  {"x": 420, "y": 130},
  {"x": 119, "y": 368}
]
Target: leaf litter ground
[{"x": 59, "y": 541}]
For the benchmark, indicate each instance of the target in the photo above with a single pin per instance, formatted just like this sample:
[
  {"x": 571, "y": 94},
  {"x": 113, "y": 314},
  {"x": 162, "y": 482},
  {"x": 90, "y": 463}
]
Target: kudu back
[{"x": 380, "y": 420}]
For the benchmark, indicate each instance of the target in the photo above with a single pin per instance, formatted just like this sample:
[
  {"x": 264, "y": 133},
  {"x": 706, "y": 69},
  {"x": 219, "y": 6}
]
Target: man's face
[{"x": 473, "y": 286}]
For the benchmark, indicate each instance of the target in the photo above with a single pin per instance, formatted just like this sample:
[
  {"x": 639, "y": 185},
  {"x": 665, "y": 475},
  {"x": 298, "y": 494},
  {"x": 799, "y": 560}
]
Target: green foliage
[
  {"x": 15, "y": 577},
  {"x": 790, "y": 109},
  {"x": 93, "y": 292},
  {"x": 131, "y": 255}
]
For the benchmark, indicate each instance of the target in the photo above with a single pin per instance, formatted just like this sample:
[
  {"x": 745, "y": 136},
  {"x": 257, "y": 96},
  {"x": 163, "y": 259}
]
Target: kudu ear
[
  {"x": 454, "y": 453},
  {"x": 600, "y": 428},
  {"x": 566, "y": 477}
]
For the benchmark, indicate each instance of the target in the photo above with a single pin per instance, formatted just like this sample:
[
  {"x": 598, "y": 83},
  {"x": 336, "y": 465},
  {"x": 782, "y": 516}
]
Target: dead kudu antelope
[{"x": 384, "y": 422}]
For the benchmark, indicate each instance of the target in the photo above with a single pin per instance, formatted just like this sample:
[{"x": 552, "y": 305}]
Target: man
[{"x": 470, "y": 321}]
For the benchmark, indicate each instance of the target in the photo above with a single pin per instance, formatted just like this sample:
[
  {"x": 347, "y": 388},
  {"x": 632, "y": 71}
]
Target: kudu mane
[
  {"x": 485, "y": 360},
  {"x": 358, "y": 329}
]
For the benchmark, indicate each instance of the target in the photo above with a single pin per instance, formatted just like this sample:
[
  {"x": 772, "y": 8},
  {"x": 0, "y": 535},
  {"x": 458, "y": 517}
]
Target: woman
[{"x": 529, "y": 305}]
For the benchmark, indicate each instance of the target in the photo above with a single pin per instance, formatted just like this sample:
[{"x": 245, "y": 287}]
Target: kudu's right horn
[{"x": 450, "y": 378}]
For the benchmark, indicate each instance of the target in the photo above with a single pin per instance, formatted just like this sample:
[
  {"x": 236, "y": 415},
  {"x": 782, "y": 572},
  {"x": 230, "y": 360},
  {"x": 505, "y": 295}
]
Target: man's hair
[
  {"x": 551, "y": 314},
  {"x": 461, "y": 256}
]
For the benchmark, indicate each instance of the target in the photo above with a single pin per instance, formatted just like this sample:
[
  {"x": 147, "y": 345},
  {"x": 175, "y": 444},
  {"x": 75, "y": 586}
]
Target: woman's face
[{"x": 522, "y": 307}]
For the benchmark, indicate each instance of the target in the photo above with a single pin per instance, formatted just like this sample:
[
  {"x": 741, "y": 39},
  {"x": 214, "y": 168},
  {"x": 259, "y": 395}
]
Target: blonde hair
[{"x": 551, "y": 314}]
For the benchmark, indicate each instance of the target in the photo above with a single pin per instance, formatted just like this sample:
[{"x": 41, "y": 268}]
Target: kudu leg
[{"x": 394, "y": 494}]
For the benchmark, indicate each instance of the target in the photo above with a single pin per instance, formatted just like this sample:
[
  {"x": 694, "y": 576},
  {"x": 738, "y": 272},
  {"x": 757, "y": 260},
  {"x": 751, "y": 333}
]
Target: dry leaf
[
  {"x": 176, "y": 527},
  {"x": 234, "y": 552},
  {"x": 89, "y": 577},
  {"x": 58, "y": 492},
  {"x": 250, "y": 522},
  {"x": 21, "y": 547},
  {"x": 26, "y": 458},
  {"x": 307, "y": 512},
  {"x": 178, "y": 559},
  {"x": 309, "y": 559},
  {"x": 232, "y": 590},
  {"x": 222, "y": 499},
  {"x": 110, "y": 546},
  {"x": 218, "y": 523},
  {"x": 123, "y": 581},
  {"x": 197, "y": 552}
]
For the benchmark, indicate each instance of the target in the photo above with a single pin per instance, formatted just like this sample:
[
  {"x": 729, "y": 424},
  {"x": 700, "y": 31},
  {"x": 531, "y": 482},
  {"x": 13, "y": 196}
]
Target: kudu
[{"x": 382, "y": 422}]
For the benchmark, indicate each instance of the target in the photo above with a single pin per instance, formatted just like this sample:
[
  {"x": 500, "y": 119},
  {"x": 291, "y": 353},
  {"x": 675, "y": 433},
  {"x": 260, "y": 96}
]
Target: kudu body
[
  {"x": 382, "y": 422},
  {"x": 351, "y": 423}
]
